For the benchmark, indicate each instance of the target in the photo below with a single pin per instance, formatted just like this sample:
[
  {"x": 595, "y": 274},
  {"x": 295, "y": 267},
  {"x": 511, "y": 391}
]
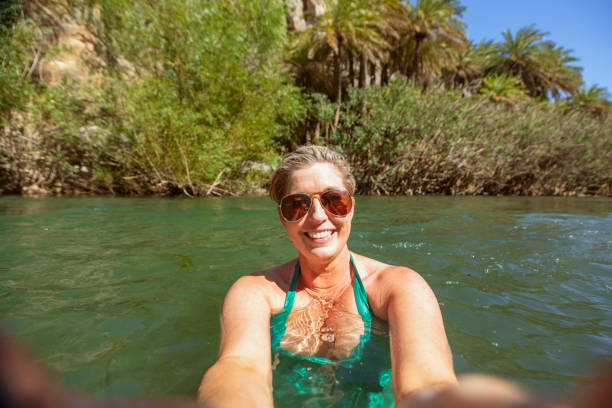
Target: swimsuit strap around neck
[{"x": 361, "y": 297}]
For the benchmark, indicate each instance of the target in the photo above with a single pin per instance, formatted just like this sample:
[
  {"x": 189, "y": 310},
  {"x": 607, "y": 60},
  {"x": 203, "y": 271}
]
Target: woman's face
[{"x": 318, "y": 234}]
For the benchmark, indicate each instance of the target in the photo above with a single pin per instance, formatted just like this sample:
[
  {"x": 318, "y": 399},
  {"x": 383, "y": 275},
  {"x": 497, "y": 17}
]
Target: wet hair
[{"x": 305, "y": 156}]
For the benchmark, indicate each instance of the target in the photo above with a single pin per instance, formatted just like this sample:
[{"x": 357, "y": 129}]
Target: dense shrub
[
  {"x": 182, "y": 94},
  {"x": 17, "y": 38},
  {"x": 401, "y": 140},
  {"x": 200, "y": 88}
]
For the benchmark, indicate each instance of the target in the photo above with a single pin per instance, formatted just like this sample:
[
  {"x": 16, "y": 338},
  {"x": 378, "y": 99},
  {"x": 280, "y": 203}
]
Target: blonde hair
[{"x": 305, "y": 156}]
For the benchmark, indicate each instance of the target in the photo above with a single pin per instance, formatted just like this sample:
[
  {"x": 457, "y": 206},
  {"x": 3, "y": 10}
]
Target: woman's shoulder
[
  {"x": 271, "y": 283},
  {"x": 372, "y": 271},
  {"x": 383, "y": 281},
  {"x": 277, "y": 276}
]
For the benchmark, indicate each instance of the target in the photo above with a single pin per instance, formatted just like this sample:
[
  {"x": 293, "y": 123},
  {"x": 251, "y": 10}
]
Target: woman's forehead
[{"x": 314, "y": 178}]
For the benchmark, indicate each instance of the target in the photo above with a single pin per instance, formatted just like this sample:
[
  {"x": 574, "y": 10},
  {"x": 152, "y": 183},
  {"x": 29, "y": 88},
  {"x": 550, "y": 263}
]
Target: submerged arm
[{"x": 242, "y": 375}]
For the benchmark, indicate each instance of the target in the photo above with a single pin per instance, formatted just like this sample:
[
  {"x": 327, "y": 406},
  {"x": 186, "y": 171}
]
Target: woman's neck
[{"x": 324, "y": 276}]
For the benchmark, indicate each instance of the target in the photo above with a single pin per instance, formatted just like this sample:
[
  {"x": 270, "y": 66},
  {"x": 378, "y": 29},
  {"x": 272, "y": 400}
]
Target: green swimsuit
[{"x": 312, "y": 381}]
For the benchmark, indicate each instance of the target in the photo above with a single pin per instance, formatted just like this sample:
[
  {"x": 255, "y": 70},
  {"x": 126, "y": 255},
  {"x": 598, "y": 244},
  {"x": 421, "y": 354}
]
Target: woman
[{"x": 319, "y": 306}]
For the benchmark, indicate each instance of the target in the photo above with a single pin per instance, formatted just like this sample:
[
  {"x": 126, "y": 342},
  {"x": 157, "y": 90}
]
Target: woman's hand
[{"x": 478, "y": 391}]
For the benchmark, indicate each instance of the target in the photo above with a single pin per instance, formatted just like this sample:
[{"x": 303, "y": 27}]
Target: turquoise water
[
  {"x": 361, "y": 380},
  {"x": 121, "y": 296}
]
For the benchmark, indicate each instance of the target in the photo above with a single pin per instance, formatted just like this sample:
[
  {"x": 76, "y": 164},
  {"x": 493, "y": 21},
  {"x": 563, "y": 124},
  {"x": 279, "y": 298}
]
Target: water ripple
[{"x": 123, "y": 295}]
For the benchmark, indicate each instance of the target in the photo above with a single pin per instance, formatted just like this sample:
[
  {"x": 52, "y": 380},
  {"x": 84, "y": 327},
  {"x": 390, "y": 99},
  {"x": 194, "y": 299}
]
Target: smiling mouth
[{"x": 319, "y": 234}]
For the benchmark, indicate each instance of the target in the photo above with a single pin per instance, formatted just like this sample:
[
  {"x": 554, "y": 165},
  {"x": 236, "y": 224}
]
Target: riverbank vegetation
[{"x": 201, "y": 98}]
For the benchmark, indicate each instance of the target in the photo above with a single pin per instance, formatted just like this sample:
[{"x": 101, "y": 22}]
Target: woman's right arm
[{"x": 242, "y": 375}]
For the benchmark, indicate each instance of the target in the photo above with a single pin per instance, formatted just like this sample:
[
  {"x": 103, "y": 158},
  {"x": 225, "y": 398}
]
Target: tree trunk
[
  {"x": 338, "y": 83},
  {"x": 372, "y": 73},
  {"x": 351, "y": 68},
  {"x": 384, "y": 74},
  {"x": 363, "y": 63},
  {"x": 337, "y": 73},
  {"x": 306, "y": 138},
  {"x": 417, "y": 63}
]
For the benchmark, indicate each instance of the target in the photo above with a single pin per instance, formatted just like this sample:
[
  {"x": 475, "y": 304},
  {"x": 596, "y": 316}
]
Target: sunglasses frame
[{"x": 312, "y": 196}]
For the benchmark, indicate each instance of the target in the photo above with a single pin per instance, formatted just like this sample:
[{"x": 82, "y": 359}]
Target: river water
[{"x": 120, "y": 296}]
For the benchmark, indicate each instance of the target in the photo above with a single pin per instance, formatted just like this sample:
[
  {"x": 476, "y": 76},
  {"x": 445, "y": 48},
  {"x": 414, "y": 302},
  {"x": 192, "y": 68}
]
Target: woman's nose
[{"x": 317, "y": 212}]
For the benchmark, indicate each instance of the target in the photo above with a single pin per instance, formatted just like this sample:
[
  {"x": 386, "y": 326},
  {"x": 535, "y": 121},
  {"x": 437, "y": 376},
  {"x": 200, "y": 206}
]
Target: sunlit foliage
[
  {"x": 544, "y": 68},
  {"x": 184, "y": 95}
]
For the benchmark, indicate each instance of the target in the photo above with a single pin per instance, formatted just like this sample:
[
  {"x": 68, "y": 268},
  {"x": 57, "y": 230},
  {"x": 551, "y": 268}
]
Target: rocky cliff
[
  {"x": 301, "y": 13},
  {"x": 65, "y": 49}
]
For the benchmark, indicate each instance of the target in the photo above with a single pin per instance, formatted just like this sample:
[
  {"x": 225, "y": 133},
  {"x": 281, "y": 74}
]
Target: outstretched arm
[
  {"x": 420, "y": 354},
  {"x": 242, "y": 375}
]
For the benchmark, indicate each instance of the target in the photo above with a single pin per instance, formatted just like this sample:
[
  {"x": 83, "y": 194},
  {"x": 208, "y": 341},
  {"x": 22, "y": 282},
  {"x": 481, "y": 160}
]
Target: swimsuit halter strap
[
  {"x": 361, "y": 297},
  {"x": 279, "y": 321},
  {"x": 292, "y": 287}
]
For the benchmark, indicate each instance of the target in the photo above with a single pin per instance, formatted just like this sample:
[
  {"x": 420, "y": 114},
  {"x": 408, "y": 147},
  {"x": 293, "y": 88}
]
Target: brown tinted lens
[
  {"x": 337, "y": 202},
  {"x": 295, "y": 206}
]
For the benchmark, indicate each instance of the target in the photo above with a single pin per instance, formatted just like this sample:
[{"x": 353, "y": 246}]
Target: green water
[{"x": 121, "y": 296}]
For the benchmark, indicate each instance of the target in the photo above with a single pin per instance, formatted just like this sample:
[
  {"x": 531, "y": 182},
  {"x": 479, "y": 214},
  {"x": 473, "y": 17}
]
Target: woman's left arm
[{"x": 420, "y": 354}]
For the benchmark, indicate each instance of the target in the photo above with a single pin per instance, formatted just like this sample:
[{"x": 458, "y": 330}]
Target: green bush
[
  {"x": 184, "y": 93},
  {"x": 16, "y": 61},
  {"x": 200, "y": 87},
  {"x": 402, "y": 140}
]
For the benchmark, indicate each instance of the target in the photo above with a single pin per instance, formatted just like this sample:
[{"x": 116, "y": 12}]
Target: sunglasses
[{"x": 294, "y": 207}]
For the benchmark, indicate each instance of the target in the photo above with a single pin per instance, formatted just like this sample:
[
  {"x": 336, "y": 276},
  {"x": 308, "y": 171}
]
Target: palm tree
[
  {"x": 469, "y": 67},
  {"x": 346, "y": 26},
  {"x": 542, "y": 66},
  {"x": 593, "y": 100},
  {"x": 434, "y": 32},
  {"x": 502, "y": 88},
  {"x": 563, "y": 77}
]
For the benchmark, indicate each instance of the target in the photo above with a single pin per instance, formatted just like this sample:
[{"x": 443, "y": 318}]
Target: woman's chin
[
  {"x": 320, "y": 249},
  {"x": 322, "y": 252}
]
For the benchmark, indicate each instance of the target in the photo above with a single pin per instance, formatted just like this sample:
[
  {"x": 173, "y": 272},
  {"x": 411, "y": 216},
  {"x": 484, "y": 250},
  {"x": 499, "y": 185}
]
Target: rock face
[
  {"x": 65, "y": 50},
  {"x": 317, "y": 7},
  {"x": 295, "y": 14},
  {"x": 71, "y": 35},
  {"x": 77, "y": 43},
  {"x": 301, "y": 13}
]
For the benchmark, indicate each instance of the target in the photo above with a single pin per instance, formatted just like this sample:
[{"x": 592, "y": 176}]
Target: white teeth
[{"x": 320, "y": 234}]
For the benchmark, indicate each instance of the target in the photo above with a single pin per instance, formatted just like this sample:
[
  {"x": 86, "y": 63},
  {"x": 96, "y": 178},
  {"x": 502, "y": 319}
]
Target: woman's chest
[{"x": 323, "y": 328}]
